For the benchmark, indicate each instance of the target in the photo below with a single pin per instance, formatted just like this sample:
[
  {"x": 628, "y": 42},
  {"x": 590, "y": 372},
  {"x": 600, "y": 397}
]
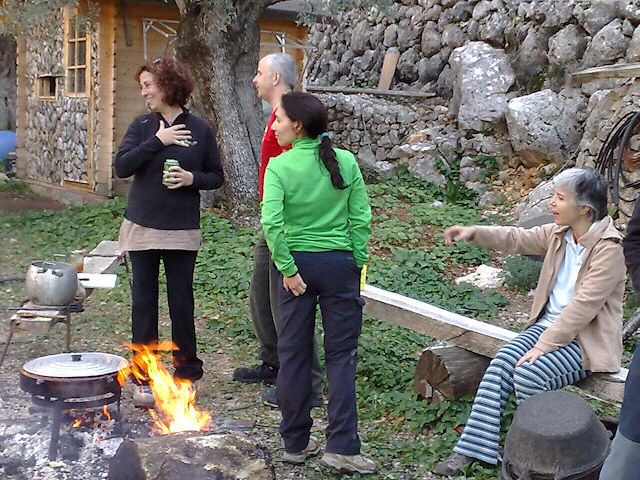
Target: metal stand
[{"x": 14, "y": 323}]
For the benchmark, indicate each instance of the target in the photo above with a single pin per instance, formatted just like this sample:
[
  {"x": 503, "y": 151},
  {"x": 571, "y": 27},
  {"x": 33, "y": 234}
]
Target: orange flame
[
  {"x": 77, "y": 423},
  {"x": 175, "y": 409},
  {"x": 105, "y": 412}
]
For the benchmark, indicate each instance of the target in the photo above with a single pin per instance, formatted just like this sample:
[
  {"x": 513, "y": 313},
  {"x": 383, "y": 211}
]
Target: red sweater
[{"x": 269, "y": 149}]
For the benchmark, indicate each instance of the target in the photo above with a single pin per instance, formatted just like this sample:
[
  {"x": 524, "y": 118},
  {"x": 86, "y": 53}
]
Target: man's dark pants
[
  {"x": 333, "y": 280},
  {"x": 178, "y": 266},
  {"x": 263, "y": 301}
]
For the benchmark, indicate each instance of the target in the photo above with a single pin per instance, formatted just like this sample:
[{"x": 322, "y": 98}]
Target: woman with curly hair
[{"x": 162, "y": 219}]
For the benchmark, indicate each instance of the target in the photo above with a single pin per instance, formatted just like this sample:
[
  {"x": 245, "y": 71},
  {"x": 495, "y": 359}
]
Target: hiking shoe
[
  {"x": 312, "y": 449},
  {"x": 348, "y": 463},
  {"x": 268, "y": 396},
  {"x": 452, "y": 465},
  {"x": 263, "y": 373},
  {"x": 143, "y": 396}
]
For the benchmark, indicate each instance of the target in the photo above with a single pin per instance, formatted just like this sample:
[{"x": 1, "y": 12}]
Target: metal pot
[
  {"x": 51, "y": 283},
  {"x": 554, "y": 436}
]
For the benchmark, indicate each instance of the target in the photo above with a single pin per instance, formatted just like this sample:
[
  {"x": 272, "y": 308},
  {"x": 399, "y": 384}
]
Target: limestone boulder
[
  {"x": 598, "y": 14},
  {"x": 567, "y": 46},
  {"x": 191, "y": 455},
  {"x": 482, "y": 76},
  {"x": 485, "y": 277},
  {"x": 633, "y": 50},
  {"x": 543, "y": 126},
  {"x": 607, "y": 46}
]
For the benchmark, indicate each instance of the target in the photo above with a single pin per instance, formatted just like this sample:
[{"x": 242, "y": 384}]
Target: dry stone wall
[{"x": 57, "y": 131}]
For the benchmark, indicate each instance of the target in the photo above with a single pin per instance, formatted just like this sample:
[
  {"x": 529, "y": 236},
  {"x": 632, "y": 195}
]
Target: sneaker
[
  {"x": 268, "y": 396},
  {"x": 263, "y": 373},
  {"x": 312, "y": 449},
  {"x": 143, "y": 396},
  {"x": 348, "y": 463},
  {"x": 452, "y": 465}
]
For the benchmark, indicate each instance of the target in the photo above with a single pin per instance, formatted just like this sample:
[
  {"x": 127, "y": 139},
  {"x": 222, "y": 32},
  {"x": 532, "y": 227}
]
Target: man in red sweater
[{"x": 277, "y": 74}]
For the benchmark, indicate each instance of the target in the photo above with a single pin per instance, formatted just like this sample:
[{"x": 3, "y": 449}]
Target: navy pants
[
  {"x": 178, "y": 266},
  {"x": 332, "y": 280}
]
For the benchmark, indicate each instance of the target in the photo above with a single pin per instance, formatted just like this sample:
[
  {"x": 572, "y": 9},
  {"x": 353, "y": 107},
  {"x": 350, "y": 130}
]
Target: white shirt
[{"x": 562, "y": 292}]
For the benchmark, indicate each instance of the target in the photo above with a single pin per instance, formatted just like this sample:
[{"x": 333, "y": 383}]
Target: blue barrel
[{"x": 7, "y": 142}]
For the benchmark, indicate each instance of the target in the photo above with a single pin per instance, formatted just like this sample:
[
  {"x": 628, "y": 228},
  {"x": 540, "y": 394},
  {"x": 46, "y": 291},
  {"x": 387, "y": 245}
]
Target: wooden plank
[
  {"x": 369, "y": 91},
  {"x": 625, "y": 70},
  {"x": 388, "y": 69},
  {"x": 105, "y": 258},
  {"x": 468, "y": 333}
]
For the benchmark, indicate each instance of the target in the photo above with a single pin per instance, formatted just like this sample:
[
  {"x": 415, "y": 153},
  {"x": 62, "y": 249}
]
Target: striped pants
[{"x": 481, "y": 436}]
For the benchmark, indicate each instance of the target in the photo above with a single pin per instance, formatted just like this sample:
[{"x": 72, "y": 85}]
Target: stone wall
[
  {"x": 498, "y": 69},
  {"x": 7, "y": 83},
  {"x": 57, "y": 131}
]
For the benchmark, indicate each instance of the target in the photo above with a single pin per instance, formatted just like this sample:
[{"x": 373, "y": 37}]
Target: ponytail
[{"x": 328, "y": 157}]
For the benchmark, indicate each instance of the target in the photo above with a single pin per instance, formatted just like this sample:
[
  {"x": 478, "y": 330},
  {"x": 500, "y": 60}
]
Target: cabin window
[
  {"x": 46, "y": 86},
  {"x": 77, "y": 55}
]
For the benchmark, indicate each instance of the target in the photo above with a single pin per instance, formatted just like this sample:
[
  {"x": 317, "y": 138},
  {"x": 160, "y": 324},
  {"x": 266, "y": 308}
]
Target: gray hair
[
  {"x": 286, "y": 66},
  {"x": 588, "y": 188}
]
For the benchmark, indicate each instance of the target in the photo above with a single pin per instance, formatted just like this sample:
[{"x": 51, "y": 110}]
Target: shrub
[{"x": 522, "y": 273}]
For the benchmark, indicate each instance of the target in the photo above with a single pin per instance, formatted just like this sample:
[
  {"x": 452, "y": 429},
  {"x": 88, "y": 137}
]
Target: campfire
[{"x": 175, "y": 409}]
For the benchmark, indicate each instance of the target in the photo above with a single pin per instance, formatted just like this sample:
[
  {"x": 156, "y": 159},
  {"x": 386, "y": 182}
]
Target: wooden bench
[{"x": 470, "y": 334}]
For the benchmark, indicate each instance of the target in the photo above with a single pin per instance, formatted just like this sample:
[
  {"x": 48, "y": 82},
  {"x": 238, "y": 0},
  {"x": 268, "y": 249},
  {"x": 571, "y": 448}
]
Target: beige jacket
[{"x": 594, "y": 314}]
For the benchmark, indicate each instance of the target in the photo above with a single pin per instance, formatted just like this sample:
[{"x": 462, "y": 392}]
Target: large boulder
[
  {"x": 543, "y": 126},
  {"x": 598, "y": 14},
  {"x": 196, "y": 455},
  {"x": 567, "y": 46},
  {"x": 482, "y": 77}
]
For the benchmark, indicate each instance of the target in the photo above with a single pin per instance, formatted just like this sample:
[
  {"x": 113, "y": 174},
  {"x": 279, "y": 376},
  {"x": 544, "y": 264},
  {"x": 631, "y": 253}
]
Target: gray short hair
[
  {"x": 286, "y": 66},
  {"x": 588, "y": 187}
]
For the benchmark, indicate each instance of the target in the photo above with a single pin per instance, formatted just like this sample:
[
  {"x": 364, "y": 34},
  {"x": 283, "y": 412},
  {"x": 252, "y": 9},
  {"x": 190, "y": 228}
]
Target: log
[
  {"x": 605, "y": 72},
  {"x": 12, "y": 278},
  {"x": 631, "y": 326},
  {"x": 369, "y": 91},
  {"x": 448, "y": 372}
]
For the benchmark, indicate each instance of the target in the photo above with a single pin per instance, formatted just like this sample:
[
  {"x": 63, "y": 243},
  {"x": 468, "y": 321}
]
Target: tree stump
[
  {"x": 448, "y": 372},
  {"x": 191, "y": 455}
]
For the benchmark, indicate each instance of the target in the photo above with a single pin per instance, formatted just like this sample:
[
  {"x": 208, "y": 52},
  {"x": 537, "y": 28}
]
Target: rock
[
  {"x": 484, "y": 277},
  {"x": 391, "y": 36},
  {"x": 482, "y": 77},
  {"x": 430, "y": 43},
  {"x": 535, "y": 209},
  {"x": 599, "y": 14},
  {"x": 630, "y": 9},
  {"x": 492, "y": 30},
  {"x": 486, "y": 200},
  {"x": 607, "y": 46},
  {"x": 430, "y": 68},
  {"x": 359, "y": 40},
  {"x": 567, "y": 46},
  {"x": 532, "y": 57},
  {"x": 543, "y": 126},
  {"x": 407, "y": 69},
  {"x": 453, "y": 36},
  {"x": 424, "y": 167},
  {"x": 196, "y": 455},
  {"x": 633, "y": 50},
  {"x": 479, "y": 187}
]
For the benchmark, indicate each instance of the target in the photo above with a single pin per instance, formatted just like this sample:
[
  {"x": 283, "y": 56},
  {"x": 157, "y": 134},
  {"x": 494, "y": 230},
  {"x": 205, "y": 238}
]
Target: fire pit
[{"x": 73, "y": 381}]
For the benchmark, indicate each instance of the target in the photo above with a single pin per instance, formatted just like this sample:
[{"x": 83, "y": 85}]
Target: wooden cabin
[{"x": 76, "y": 93}]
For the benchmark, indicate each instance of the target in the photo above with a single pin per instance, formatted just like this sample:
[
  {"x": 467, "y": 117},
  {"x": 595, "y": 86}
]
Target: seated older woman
[{"x": 575, "y": 323}]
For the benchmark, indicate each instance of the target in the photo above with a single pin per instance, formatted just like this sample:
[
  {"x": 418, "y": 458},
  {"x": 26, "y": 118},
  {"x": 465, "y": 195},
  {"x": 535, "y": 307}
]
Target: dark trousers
[
  {"x": 178, "y": 266},
  {"x": 332, "y": 280},
  {"x": 263, "y": 302}
]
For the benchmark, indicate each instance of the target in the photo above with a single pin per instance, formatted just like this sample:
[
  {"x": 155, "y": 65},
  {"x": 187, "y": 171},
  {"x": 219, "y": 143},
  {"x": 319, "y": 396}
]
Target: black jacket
[
  {"x": 142, "y": 155},
  {"x": 630, "y": 413}
]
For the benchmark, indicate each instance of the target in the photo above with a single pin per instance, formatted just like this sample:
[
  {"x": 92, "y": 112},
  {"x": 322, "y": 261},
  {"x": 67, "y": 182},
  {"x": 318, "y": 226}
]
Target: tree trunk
[
  {"x": 448, "y": 372},
  {"x": 223, "y": 63}
]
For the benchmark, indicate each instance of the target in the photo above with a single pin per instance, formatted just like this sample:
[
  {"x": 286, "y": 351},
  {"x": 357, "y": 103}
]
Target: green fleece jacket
[{"x": 302, "y": 211}]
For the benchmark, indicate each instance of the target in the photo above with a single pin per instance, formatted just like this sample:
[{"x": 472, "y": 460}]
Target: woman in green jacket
[{"x": 316, "y": 219}]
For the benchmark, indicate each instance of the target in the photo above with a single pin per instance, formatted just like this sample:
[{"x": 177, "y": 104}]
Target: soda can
[{"x": 168, "y": 163}]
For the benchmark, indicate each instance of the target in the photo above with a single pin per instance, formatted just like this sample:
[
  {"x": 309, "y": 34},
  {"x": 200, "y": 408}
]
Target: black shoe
[
  {"x": 268, "y": 396},
  {"x": 264, "y": 373}
]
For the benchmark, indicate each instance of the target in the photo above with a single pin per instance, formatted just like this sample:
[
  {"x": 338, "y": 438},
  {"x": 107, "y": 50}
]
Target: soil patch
[{"x": 16, "y": 202}]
